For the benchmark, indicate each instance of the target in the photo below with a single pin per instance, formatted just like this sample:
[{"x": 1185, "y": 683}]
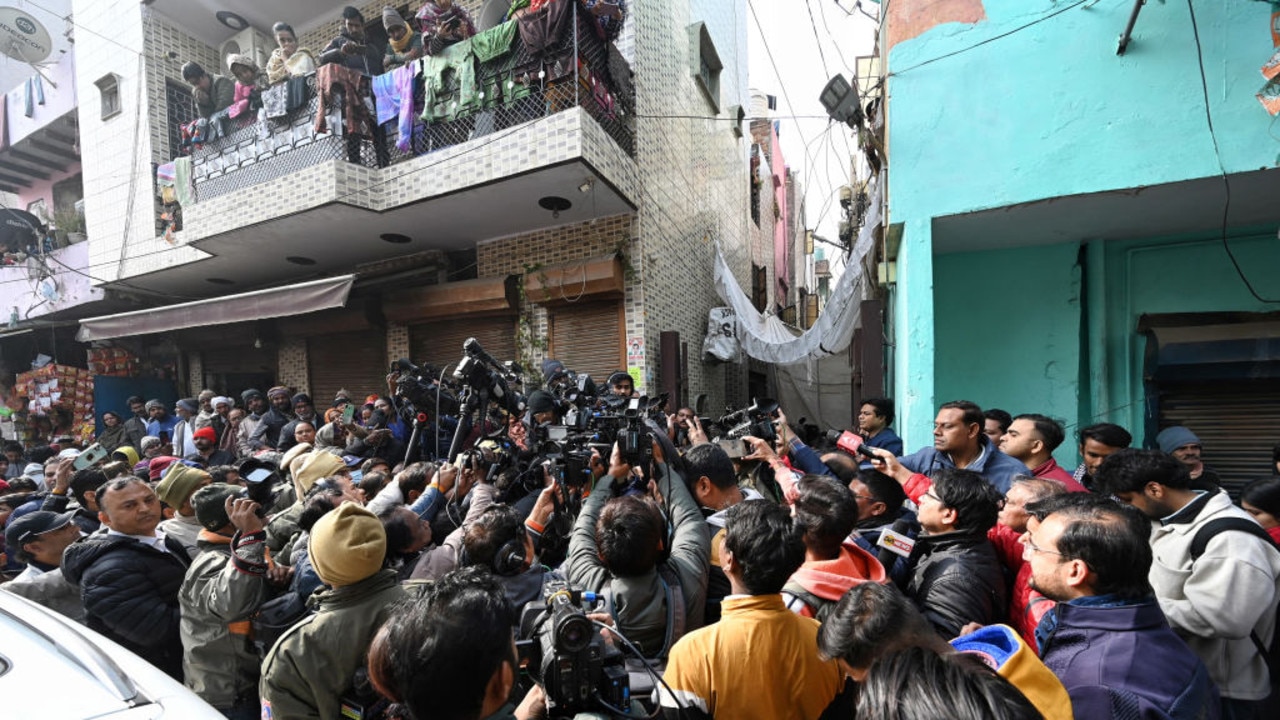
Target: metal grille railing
[{"x": 579, "y": 70}]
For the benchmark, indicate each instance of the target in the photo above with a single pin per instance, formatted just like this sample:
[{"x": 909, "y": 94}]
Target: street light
[{"x": 840, "y": 100}]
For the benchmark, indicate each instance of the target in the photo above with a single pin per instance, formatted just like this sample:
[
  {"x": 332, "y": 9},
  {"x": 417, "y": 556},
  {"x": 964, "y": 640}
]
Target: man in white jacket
[{"x": 1220, "y": 597}]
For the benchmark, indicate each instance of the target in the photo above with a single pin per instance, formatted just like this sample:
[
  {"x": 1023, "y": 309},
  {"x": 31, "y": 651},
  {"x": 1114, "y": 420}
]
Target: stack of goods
[
  {"x": 112, "y": 362},
  {"x": 60, "y": 387}
]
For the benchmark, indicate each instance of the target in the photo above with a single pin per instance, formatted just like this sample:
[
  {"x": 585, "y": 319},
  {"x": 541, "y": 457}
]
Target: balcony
[{"x": 557, "y": 147}]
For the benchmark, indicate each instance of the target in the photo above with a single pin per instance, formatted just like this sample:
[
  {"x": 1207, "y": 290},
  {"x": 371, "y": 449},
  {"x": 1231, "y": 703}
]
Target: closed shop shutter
[
  {"x": 440, "y": 343},
  {"x": 587, "y": 338},
  {"x": 356, "y": 361},
  {"x": 1235, "y": 421}
]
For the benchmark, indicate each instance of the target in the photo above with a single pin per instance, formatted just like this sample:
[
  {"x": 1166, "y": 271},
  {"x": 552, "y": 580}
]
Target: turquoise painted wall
[
  {"x": 1049, "y": 111},
  {"x": 1008, "y": 331}
]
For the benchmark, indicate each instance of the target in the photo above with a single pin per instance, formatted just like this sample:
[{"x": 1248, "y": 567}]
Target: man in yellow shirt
[{"x": 761, "y": 659}]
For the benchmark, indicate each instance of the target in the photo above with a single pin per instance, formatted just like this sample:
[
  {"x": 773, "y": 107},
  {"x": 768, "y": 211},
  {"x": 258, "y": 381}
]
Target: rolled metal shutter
[
  {"x": 588, "y": 338},
  {"x": 1237, "y": 423},
  {"x": 440, "y": 343},
  {"x": 356, "y": 361}
]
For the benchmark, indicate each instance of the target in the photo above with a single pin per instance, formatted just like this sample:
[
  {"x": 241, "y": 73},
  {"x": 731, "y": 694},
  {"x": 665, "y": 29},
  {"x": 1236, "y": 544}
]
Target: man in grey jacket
[
  {"x": 620, "y": 547},
  {"x": 39, "y": 539},
  {"x": 1222, "y": 600}
]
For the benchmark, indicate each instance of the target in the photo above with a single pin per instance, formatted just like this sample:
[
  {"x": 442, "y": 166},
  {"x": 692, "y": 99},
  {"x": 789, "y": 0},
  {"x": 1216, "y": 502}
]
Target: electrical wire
[
  {"x": 647, "y": 666},
  {"x": 817, "y": 41},
  {"x": 1217, "y": 153}
]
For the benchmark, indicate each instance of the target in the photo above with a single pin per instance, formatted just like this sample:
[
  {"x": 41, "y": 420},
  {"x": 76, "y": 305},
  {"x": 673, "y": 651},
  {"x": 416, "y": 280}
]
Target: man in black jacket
[
  {"x": 129, "y": 577},
  {"x": 352, "y": 47},
  {"x": 955, "y": 576}
]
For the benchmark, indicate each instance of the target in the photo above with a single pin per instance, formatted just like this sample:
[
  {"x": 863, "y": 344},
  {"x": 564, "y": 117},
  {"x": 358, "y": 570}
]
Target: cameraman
[
  {"x": 620, "y": 546},
  {"x": 451, "y": 653},
  {"x": 502, "y": 541}
]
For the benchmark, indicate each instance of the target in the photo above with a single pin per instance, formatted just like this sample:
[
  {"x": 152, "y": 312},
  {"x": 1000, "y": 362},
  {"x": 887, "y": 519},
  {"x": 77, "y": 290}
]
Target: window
[
  {"x": 705, "y": 64},
  {"x": 759, "y": 287},
  {"x": 109, "y": 93},
  {"x": 182, "y": 110},
  {"x": 755, "y": 184}
]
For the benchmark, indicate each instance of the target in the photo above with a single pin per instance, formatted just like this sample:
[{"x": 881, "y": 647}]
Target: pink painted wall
[
  {"x": 781, "y": 248},
  {"x": 44, "y": 189}
]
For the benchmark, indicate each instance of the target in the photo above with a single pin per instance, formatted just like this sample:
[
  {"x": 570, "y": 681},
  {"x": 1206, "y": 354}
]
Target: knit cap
[
  {"x": 210, "y": 504},
  {"x": 540, "y": 401},
  {"x": 207, "y": 433},
  {"x": 178, "y": 483},
  {"x": 240, "y": 59},
  {"x": 248, "y": 395},
  {"x": 1172, "y": 438},
  {"x": 130, "y": 455},
  {"x": 391, "y": 18},
  {"x": 189, "y": 404},
  {"x": 347, "y": 545},
  {"x": 317, "y": 466},
  {"x": 157, "y": 466}
]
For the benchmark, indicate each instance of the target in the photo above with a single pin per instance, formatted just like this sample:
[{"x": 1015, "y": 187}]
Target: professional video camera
[
  {"x": 421, "y": 389},
  {"x": 756, "y": 421},
  {"x": 487, "y": 389},
  {"x": 577, "y": 669}
]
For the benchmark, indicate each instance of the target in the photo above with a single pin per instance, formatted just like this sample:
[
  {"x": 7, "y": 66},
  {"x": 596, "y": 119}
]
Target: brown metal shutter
[
  {"x": 587, "y": 338},
  {"x": 440, "y": 343},
  {"x": 356, "y": 361},
  {"x": 1236, "y": 423}
]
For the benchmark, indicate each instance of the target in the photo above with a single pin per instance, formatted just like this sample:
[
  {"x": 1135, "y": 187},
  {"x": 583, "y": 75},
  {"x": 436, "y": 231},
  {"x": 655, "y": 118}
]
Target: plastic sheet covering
[
  {"x": 273, "y": 302},
  {"x": 767, "y": 338}
]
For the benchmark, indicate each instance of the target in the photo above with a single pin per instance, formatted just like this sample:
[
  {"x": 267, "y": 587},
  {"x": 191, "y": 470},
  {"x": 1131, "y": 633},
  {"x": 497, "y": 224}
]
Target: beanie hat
[
  {"x": 154, "y": 404},
  {"x": 347, "y": 545},
  {"x": 1004, "y": 651},
  {"x": 1172, "y": 438},
  {"x": 540, "y": 401},
  {"x": 235, "y": 59},
  {"x": 130, "y": 455},
  {"x": 249, "y": 394},
  {"x": 317, "y": 466},
  {"x": 158, "y": 465},
  {"x": 207, "y": 433},
  {"x": 148, "y": 442},
  {"x": 178, "y": 483},
  {"x": 189, "y": 404},
  {"x": 391, "y": 18},
  {"x": 210, "y": 504},
  {"x": 301, "y": 398}
]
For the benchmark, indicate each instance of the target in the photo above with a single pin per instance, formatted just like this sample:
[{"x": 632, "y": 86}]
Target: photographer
[
  {"x": 226, "y": 584},
  {"x": 438, "y": 561},
  {"x": 502, "y": 540},
  {"x": 658, "y": 586}
]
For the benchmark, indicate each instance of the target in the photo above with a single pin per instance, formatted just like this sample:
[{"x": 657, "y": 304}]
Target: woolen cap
[
  {"x": 540, "y": 401},
  {"x": 347, "y": 545},
  {"x": 278, "y": 390},
  {"x": 249, "y": 394},
  {"x": 207, "y": 433},
  {"x": 391, "y": 18},
  {"x": 178, "y": 483},
  {"x": 129, "y": 454},
  {"x": 1172, "y": 438},
  {"x": 189, "y": 404},
  {"x": 210, "y": 504}
]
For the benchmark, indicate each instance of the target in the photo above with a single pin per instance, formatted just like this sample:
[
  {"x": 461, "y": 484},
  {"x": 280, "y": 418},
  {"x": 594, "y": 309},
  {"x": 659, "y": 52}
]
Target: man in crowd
[
  {"x": 714, "y": 486},
  {"x": 1097, "y": 443},
  {"x": 705, "y": 675},
  {"x": 352, "y": 47},
  {"x": 880, "y": 504},
  {"x": 135, "y": 428},
  {"x": 1032, "y": 438},
  {"x": 959, "y": 442},
  {"x": 211, "y": 92},
  {"x": 303, "y": 412},
  {"x": 39, "y": 539},
  {"x": 207, "y": 453},
  {"x": 618, "y": 543},
  {"x": 621, "y": 384},
  {"x": 129, "y": 576},
  {"x": 996, "y": 424},
  {"x": 825, "y": 512},
  {"x": 225, "y": 585},
  {"x": 1107, "y": 640},
  {"x": 1026, "y": 606},
  {"x": 312, "y": 666},
  {"x": 175, "y": 489},
  {"x": 161, "y": 423},
  {"x": 1218, "y": 587},
  {"x": 874, "y": 420},
  {"x": 255, "y": 405},
  {"x": 266, "y": 434},
  {"x": 1185, "y": 447},
  {"x": 83, "y": 487}
]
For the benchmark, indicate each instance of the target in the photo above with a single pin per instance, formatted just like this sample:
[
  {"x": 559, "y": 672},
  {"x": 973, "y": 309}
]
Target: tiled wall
[
  {"x": 397, "y": 341},
  {"x": 163, "y": 37},
  {"x": 292, "y": 359},
  {"x": 318, "y": 37}
]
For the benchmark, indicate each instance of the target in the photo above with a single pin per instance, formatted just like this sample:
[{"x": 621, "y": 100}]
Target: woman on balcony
[
  {"x": 443, "y": 23},
  {"x": 288, "y": 60},
  {"x": 248, "y": 79},
  {"x": 404, "y": 45}
]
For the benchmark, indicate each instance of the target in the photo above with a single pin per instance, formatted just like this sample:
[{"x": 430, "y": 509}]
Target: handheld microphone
[{"x": 894, "y": 542}]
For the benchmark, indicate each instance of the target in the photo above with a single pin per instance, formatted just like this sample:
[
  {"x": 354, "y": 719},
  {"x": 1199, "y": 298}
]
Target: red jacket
[
  {"x": 831, "y": 579},
  {"x": 1054, "y": 471},
  {"x": 1026, "y": 606}
]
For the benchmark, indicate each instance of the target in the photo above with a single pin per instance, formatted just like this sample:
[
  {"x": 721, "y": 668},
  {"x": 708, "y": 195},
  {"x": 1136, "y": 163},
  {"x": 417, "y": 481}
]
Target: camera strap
[{"x": 676, "y": 615}]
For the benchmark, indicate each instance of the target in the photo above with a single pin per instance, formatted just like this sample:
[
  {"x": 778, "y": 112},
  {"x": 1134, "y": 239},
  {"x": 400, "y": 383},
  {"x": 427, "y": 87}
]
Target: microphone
[{"x": 889, "y": 551}]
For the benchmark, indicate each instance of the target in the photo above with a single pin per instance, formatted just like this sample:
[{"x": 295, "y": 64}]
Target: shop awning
[{"x": 257, "y": 305}]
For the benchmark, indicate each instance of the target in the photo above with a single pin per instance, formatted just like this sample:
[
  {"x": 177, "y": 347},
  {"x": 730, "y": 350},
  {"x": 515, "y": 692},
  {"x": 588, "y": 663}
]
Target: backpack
[
  {"x": 1270, "y": 655},
  {"x": 793, "y": 593}
]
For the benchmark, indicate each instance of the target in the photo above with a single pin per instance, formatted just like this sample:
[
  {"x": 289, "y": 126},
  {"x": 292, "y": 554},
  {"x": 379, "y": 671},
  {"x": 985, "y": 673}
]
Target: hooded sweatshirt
[{"x": 826, "y": 581}]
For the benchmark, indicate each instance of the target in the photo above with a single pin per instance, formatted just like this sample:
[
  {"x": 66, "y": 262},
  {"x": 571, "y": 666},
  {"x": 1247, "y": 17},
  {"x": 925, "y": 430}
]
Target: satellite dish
[{"x": 24, "y": 39}]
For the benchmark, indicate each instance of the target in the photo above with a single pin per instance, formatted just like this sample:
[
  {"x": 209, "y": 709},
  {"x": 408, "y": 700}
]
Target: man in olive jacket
[
  {"x": 225, "y": 585},
  {"x": 618, "y": 546},
  {"x": 311, "y": 667}
]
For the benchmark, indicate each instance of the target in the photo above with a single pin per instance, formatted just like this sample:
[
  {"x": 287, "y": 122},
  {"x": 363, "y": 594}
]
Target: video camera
[
  {"x": 479, "y": 371},
  {"x": 422, "y": 390},
  {"x": 756, "y": 421},
  {"x": 577, "y": 669}
]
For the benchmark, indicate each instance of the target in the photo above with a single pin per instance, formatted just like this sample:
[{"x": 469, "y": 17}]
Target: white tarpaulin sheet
[
  {"x": 767, "y": 338},
  {"x": 272, "y": 302}
]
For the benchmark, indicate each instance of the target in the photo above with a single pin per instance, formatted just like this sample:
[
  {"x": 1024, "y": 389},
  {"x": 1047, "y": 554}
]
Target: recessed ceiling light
[
  {"x": 231, "y": 20},
  {"x": 300, "y": 260},
  {"x": 555, "y": 204},
  {"x": 396, "y": 238},
  {"x": 220, "y": 281}
]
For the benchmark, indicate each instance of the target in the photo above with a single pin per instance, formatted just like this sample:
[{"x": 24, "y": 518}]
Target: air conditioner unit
[{"x": 247, "y": 42}]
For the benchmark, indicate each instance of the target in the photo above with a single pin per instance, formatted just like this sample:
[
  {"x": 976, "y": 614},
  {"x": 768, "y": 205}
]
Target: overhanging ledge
[{"x": 257, "y": 305}]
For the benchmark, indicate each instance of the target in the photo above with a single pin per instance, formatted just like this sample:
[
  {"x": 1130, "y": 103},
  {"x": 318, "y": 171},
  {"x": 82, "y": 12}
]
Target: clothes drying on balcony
[
  {"x": 494, "y": 42},
  {"x": 458, "y": 59},
  {"x": 393, "y": 95},
  {"x": 542, "y": 28},
  {"x": 280, "y": 68},
  {"x": 436, "y": 23},
  {"x": 353, "y": 86}
]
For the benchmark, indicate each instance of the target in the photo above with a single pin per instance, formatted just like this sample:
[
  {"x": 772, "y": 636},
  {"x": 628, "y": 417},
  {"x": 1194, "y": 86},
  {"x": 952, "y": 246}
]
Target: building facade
[{"x": 1086, "y": 233}]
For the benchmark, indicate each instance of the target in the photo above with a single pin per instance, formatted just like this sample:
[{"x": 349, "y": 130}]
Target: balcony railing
[{"x": 579, "y": 70}]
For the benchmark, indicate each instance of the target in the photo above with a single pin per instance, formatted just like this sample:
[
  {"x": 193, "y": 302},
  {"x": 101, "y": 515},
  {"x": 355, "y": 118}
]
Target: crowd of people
[{"x": 285, "y": 562}]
